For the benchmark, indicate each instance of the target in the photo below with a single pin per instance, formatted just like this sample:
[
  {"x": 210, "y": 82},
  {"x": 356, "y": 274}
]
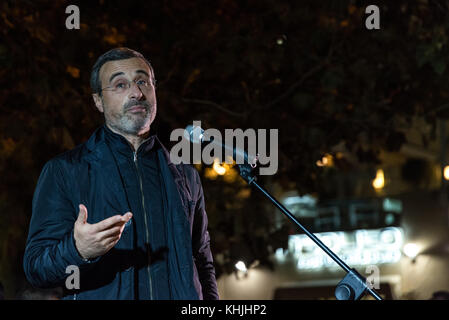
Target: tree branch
[
  {"x": 216, "y": 106},
  {"x": 304, "y": 77}
]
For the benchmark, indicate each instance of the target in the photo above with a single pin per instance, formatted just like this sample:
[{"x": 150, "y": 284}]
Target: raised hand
[{"x": 94, "y": 240}]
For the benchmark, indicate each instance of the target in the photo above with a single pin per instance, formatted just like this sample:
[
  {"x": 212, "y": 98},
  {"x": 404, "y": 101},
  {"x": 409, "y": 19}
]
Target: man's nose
[{"x": 134, "y": 91}]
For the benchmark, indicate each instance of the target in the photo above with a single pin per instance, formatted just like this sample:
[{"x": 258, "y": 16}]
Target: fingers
[
  {"x": 82, "y": 215},
  {"x": 111, "y": 232},
  {"x": 128, "y": 216},
  {"x": 94, "y": 240},
  {"x": 110, "y": 222},
  {"x": 110, "y": 243}
]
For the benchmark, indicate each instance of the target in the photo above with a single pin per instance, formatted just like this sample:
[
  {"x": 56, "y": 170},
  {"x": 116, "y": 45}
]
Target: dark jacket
[{"x": 89, "y": 174}]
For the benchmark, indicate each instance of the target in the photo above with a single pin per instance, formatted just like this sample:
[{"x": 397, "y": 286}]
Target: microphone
[{"x": 195, "y": 134}]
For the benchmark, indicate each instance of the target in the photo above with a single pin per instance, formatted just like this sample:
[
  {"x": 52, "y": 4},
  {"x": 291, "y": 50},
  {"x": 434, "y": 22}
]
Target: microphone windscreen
[{"x": 193, "y": 133}]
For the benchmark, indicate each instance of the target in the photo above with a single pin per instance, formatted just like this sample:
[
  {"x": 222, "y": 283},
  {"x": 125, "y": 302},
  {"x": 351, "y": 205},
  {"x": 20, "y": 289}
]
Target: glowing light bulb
[
  {"x": 218, "y": 168},
  {"x": 379, "y": 181},
  {"x": 241, "y": 266},
  {"x": 326, "y": 161},
  {"x": 411, "y": 250}
]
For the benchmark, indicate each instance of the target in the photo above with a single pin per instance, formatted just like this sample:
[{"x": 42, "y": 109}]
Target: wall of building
[{"x": 424, "y": 222}]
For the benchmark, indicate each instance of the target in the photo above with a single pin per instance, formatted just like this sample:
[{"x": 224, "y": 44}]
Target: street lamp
[{"x": 411, "y": 250}]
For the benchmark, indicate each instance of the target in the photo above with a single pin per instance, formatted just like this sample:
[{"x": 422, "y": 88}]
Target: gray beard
[{"x": 132, "y": 124}]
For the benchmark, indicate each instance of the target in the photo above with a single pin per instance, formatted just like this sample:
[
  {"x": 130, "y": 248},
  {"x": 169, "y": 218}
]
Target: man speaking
[{"x": 116, "y": 207}]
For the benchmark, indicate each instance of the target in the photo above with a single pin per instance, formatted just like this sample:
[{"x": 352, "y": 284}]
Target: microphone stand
[{"x": 353, "y": 286}]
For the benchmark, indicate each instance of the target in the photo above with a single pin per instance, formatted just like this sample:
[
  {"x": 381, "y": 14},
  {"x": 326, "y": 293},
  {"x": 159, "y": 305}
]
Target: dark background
[{"x": 310, "y": 69}]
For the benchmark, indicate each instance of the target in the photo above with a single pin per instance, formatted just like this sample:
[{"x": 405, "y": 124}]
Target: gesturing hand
[{"x": 93, "y": 240}]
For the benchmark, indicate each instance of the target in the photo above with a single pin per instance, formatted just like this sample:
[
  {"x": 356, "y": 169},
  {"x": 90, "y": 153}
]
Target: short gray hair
[{"x": 121, "y": 53}]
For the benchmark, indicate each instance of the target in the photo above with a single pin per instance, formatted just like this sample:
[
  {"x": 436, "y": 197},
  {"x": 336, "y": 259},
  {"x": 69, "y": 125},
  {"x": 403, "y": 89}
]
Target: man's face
[{"x": 130, "y": 110}]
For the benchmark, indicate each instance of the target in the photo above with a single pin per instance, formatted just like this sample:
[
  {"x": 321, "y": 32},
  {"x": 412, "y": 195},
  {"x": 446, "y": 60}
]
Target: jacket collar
[
  {"x": 96, "y": 147},
  {"x": 120, "y": 145}
]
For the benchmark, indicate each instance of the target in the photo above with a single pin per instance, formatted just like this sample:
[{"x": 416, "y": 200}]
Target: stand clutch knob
[
  {"x": 344, "y": 292},
  {"x": 351, "y": 287}
]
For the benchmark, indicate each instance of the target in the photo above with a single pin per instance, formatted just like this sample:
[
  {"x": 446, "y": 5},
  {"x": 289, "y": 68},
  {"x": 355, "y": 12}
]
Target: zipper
[{"x": 145, "y": 221}]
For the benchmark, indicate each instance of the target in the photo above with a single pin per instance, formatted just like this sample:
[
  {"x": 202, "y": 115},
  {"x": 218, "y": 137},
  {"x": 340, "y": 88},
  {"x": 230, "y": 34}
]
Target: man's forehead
[{"x": 127, "y": 66}]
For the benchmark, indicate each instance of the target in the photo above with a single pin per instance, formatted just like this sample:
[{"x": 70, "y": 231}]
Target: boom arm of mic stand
[{"x": 353, "y": 285}]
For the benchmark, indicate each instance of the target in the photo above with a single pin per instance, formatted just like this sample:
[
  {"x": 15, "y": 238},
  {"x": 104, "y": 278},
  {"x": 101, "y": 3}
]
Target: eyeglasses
[{"x": 124, "y": 85}]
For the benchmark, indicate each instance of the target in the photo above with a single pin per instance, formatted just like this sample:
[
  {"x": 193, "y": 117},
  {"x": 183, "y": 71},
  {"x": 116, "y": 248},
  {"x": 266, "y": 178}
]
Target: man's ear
[{"x": 98, "y": 102}]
